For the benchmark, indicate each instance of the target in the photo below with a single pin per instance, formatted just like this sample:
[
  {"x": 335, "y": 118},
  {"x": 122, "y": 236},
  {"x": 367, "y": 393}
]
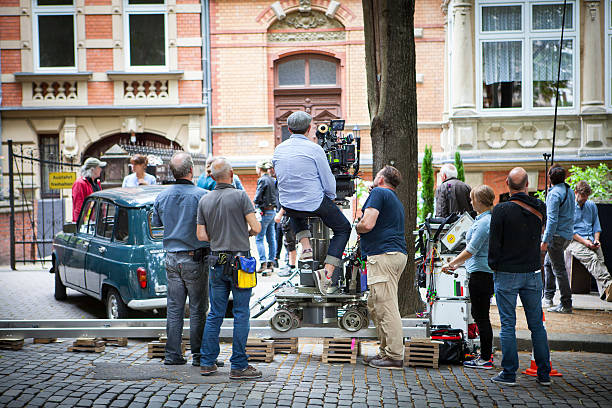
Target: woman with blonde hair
[
  {"x": 475, "y": 258},
  {"x": 139, "y": 177}
]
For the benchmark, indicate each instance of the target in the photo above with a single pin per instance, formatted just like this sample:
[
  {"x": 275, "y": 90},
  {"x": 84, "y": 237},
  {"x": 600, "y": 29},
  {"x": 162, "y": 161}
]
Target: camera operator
[
  {"x": 307, "y": 188},
  {"x": 383, "y": 243},
  {"x": 175, "y": 210}
]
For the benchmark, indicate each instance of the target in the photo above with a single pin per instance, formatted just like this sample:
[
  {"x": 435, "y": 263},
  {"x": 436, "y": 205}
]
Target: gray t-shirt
[{"x": 223, "y": 212}]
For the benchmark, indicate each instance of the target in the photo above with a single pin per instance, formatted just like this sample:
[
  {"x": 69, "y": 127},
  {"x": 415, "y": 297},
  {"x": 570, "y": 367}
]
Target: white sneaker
[
  {"x": 547, "y": 303},
  {"x": 322, "y": 282}
]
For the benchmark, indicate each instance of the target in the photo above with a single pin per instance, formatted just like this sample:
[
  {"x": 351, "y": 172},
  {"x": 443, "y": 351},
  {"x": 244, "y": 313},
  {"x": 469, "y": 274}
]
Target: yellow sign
[
  {"x": 450, "y": 238},
  {"x": 59, "y": 180}
]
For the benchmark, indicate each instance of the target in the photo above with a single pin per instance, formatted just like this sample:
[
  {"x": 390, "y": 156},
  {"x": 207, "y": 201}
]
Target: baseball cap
[{"x": 92, "y": 163}]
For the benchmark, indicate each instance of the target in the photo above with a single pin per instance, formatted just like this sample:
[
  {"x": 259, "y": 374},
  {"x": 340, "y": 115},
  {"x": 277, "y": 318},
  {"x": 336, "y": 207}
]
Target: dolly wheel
[
  {"x": 282, "y": 321},
  {"x": 352, "y": 320}
]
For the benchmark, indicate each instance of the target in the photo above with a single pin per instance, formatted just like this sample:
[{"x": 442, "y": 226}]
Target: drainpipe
[
  {"x": 1, "y": 168},
  {"x": 206, "y": 77}
]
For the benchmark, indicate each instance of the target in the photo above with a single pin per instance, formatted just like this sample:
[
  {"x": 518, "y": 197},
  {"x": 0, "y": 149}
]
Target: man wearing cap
[
  {"x": 307, "y": 188},
  {"x": 265, "y": 201},
  {"x": 86, "y": 184}
]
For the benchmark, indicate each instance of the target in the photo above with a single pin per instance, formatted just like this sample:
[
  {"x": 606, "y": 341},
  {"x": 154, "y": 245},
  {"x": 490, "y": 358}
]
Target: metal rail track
[{"x": 150, "y": 328}]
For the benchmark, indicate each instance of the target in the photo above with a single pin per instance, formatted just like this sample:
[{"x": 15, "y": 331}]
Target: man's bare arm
[
  {"x": 368, "y": 221},
  {"x": 201, "y": 233},
  {"x": 254, "y": 225}
]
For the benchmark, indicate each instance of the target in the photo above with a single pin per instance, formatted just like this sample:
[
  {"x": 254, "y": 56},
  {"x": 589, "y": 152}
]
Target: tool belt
[
  {"x": 237, "y": 266},
  {"x": 199, "y": 255}
]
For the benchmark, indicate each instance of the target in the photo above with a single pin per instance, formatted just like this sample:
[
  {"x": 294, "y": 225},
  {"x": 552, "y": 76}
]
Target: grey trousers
[
  {"x": 594, "y": 262},
  {"x": 554, "y": 269},
  {"x": 185, "y": 277}
]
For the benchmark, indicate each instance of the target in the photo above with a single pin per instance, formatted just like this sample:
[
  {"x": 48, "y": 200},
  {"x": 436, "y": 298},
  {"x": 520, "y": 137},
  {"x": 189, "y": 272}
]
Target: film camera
[{"x": 342, "y": 155}]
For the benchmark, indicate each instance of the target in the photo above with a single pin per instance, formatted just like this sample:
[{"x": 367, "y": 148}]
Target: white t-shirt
[{"x": 132, "y": 180}]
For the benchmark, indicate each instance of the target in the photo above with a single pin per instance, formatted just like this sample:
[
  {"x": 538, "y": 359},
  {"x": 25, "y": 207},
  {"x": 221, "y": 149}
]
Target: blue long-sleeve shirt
[
  {"x": 303, "y": 174},
  {"x": 478, "y": 244},
  {"x": 586, "y": 220},
  {"x": 559, "y": 212}
]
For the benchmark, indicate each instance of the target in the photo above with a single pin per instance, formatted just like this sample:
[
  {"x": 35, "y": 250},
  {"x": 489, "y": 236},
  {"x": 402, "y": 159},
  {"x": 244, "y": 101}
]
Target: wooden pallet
[
  {"x": 421, "y": 353},
  {"x": 87, "y": 344},
  {"x": 45, "y": 340},
  {"x": 260, "y": 350},
  {"x": 289, "y": 346},
  {"x": 116, "y": 341},
  {"x": 339, "y": 350},
  {"x": 186, "y": 342},
  {"x": 11, "y": 343},
  {"x": 157, "y": 349}
]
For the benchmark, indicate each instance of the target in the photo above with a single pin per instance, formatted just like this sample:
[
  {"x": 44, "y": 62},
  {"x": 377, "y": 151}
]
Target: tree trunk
[{"x": 391, "y": 81}]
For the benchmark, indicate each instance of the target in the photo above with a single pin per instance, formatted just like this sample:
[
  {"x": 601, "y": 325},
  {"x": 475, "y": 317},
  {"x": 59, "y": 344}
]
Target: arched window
[{"x": 307, "y": 71}]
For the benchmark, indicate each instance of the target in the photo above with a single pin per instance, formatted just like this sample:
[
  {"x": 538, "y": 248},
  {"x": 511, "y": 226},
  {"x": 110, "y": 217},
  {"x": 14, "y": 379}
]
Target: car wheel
[
  {"x": 115, "y": 307},
  {"x": 60, "y": 288}
]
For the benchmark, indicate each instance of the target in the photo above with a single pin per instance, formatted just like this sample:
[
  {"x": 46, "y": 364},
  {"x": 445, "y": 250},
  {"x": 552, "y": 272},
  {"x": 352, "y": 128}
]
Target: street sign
[{"x": 59, "y": 180}]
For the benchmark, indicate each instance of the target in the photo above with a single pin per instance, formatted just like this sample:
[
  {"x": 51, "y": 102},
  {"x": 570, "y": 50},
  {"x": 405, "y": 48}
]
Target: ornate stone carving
[
  {"x": 54, "y": 91},
  {"x": 297, "y": 20},
  {"x": 193, "y": 132},
  {"x": 494, "y": 136},
  {"x": 527, "y": 135},
  {"x": 304, "y": 6},
  {"x": 307, "y": 36},
  {"x": 565, "y": 134},
  {"x": 145, "y": 89},
  {"x": 594, "y": 135},
  {"x": 70, "y": 146},
  {"x": 593, "y": 8}
]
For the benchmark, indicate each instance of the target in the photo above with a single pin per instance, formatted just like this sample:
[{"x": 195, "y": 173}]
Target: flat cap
[
  {"x": 92, "y": 163},
  {"x": 264, "y": 164},
  {"x": 298, "y": 121}
]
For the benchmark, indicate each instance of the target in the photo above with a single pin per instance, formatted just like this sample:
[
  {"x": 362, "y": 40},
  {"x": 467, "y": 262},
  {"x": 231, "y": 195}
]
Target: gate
[{"x": 31, "y": 234}]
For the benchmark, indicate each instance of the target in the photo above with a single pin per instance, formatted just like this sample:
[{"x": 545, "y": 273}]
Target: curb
[{"x": 592, "y": 343}]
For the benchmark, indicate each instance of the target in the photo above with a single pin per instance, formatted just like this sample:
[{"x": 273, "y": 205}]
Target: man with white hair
[
  {"x": 453, "y": 195},
  {"x": 86, "y": 184}
]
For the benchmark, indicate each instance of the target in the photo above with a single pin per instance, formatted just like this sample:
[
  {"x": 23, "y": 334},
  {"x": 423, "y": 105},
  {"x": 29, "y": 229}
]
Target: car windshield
[{"x": 155, "y": 232}]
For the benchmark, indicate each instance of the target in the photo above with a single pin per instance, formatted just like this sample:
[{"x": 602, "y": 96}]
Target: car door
[
  {"x": 79, "y": 244},
  {"x": 97, "y": 265}
]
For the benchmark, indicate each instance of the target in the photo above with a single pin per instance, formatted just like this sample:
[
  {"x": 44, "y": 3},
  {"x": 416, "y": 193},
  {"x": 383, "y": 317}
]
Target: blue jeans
[
  {"x": 185, "y": 277},
  {"x": 268, "y": 231},
  {"x": 331, "y": 216},
  {"x": 220, "y": 286},
  {"x": 529, "y": 287}
]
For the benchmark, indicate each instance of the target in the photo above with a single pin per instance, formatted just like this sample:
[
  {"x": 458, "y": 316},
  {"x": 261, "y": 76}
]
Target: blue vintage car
[{"x": 113, "y": 253}]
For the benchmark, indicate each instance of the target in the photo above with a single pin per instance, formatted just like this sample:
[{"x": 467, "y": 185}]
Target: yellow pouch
[{"x": 245, "y": 277}]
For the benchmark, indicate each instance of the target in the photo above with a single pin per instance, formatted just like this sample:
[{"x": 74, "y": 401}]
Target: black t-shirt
[{"x": 388, "y": 232}]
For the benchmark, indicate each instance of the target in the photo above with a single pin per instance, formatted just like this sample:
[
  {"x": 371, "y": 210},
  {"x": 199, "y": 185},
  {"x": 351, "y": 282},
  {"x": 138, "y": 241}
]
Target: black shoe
[
  {"x": 545, "y": 382},
  {"x": 177, "y": 362},
  {"x": 195, "y": 362},
  {"x": 220, "y": 363},
  {"x": 561, "y": 309}
]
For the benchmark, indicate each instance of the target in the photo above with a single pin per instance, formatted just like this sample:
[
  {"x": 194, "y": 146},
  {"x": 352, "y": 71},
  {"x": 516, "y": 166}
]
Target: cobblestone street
[{"x": 49, "y": 375}]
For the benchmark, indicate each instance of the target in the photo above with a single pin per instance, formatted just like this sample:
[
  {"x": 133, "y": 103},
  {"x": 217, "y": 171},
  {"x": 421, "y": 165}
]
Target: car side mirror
[{"x": 70, "y": 228}]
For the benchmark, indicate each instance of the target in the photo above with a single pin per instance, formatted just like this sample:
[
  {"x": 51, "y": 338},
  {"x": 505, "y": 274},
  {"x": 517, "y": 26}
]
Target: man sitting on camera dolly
[{"x": 307, "y": 188}]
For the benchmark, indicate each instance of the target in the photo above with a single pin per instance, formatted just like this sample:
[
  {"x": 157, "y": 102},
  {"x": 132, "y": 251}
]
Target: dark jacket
[
  {"x": 453, "y": 196},
  {"x": 266, "y": 194},
  {"x": 514, "y": 237}
]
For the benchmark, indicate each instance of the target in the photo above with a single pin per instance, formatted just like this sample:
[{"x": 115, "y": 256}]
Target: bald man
[{"x": 514, "y": 257}]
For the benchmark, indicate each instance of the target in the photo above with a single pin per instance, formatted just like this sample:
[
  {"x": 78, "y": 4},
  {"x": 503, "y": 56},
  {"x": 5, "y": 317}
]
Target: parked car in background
[{"x": 113, "y": 253}]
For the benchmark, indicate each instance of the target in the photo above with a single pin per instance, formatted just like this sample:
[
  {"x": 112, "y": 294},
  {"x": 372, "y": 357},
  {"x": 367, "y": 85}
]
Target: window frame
[
  {"x": 144, "y": 9},
  {"x": 53, "y": 11},
  {"x": 307, "y": 57},
  {"x": 96, "y": 204},
  {"x": 112, "y": 232},
  {"x": 527, "y": 35}
]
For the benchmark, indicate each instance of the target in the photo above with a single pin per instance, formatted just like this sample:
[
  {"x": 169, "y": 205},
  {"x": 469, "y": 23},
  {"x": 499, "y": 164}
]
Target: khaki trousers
[
  {"x": 384, "y": 272},
  {"x": 594, "y": 262}
]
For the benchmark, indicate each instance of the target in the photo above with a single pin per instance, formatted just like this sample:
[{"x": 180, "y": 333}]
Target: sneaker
[
  {"x": 547, "y": 303},
  {"x": 479, "y": 363},
  {"x": 262, "y": 267},
  {"x": 322, "y": 282},
  {"x": 498, "y": 379},
  {"x": 388, "y": 363},
  {"x": 208, "y": 370},
  {"x": 306, "y": 255},
  {"x": 247, "y": 373},
  {"x": 561, "y": 309},
  {"x": 544, "y": 382},
  {"x": 175, "y": 362},
  {"x": 270, "y": 266},
  {"x": 284, "y": 271},
  {"x": 366, "y": 360}
]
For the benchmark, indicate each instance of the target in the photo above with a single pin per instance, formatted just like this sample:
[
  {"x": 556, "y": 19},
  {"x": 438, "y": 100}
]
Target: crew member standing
[
  {"x": 226, "y": 218},
  {"x": 384, "y": 245},
  {"x": 307, "y": 188},
  {"x": 453, "y": 195},
  {"x": 175, "y": 209},
  {"x": 265, "y": 201},
  {"x": 557, "y": 236},
  {"x": 514, "y": 257}
]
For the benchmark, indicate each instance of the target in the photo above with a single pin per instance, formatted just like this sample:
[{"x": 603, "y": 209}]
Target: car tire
[
  {"x": 60, "y": 288},
  {"x": 115, "y": 307}
]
